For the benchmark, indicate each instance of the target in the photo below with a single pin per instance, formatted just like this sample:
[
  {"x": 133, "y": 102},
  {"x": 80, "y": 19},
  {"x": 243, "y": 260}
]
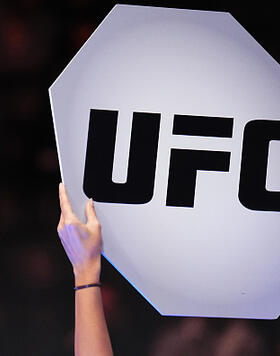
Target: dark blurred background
[{"x": 37, "y": 40}]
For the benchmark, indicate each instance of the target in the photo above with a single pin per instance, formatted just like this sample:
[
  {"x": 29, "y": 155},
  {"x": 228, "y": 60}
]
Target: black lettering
[
  {"x": 202, "y": 126},
  {"x": 252, "y": 192},
  {"x": 139, "y": 186},
  {"x": 184, "y": 164}
]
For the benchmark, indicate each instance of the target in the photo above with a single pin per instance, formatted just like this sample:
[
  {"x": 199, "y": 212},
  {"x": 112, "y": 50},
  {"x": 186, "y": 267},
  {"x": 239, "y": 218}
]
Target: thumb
[{"x": 90, "y": 212}]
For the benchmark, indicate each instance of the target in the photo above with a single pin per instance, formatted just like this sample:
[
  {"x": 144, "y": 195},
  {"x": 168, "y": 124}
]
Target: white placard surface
[{"x": 170, "y": 119}]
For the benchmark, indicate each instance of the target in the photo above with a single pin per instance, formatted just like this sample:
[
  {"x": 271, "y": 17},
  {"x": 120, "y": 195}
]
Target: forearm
[
  {"x": 91, "y": 333},
  {"x": 82, "y": 244}
]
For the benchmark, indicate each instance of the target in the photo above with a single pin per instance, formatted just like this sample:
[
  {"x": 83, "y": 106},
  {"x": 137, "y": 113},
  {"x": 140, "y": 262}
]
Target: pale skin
[{"x": 82, "y": 244}]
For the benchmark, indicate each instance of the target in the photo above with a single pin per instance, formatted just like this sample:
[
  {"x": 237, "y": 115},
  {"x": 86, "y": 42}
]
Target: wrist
[
  {"x": 87, "y": 275},
  {"x": 86, "y": 278}
]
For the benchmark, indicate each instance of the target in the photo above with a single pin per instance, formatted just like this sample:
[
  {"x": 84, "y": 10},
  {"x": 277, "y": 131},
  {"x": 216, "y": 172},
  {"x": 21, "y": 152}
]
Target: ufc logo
[{"x": 184, "y": 163}]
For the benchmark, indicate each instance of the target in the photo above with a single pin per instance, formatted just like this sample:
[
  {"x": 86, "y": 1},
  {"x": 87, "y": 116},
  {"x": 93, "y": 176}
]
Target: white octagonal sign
[{"x": 170, "y": 120}]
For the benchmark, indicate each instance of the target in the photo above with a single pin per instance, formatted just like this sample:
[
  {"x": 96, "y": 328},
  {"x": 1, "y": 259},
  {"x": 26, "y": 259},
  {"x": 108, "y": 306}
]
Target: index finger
[{"x": 65, "y": 204}]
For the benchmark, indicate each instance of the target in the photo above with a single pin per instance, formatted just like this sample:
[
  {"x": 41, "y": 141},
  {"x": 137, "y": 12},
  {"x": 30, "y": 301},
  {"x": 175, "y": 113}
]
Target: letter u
[{"x": 139, "y": 186}]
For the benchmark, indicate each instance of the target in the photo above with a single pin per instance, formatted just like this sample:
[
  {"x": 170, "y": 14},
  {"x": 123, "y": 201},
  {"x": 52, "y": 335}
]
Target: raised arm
[{"x": 82, "y": 244}]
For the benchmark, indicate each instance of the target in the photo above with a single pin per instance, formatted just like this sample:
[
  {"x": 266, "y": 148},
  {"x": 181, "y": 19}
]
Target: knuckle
[
  {"x": 94, "y": 226},
  {"x": 70, "y": 220},
  {"x": 97, "y": 225},
  {"x": 59, "y": 227}
]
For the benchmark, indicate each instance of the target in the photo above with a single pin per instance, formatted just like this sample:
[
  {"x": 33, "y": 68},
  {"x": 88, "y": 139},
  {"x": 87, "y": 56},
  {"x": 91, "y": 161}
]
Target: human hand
[{"x": 81, "y": 242}]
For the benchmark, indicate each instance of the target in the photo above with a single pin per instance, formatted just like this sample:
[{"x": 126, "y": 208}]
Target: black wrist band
[{"x": 87, "y": 286}]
